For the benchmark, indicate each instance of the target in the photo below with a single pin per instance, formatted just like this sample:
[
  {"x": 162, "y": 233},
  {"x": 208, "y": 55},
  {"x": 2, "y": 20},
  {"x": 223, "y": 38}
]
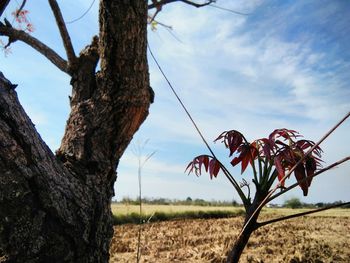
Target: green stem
[
  {"x": 241, "y": 194},
  {"x": 260, "y": 170},
  {"x": 253, "y": 166},
  {"x": 272, "y": 178},
  {"x": 267, "y": 171}
]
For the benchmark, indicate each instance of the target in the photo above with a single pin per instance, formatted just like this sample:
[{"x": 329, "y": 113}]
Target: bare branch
[
  {"x": 309, "y": 177},
  {"x": 159, "y": 8},
  {"x": 3, "y": 5},
  {"x": 156, "y": 4},
  {"x": 299, "y": 214},
  {"x": 63, "y": 31},
  {"x": 50, "y": 54}
]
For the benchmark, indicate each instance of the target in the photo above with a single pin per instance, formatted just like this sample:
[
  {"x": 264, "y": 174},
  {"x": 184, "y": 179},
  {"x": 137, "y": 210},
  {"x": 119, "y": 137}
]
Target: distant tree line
[
  {"x": 321, "y": 204},
  {"x": 168, "y": 201},
  {"x": 296, "y": 203},
  {"x": 290, "y": 203}
]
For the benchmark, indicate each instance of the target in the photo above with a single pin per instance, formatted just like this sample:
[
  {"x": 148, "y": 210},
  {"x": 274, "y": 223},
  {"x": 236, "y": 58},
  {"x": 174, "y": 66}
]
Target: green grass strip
[{"x": 134, "y": 218}]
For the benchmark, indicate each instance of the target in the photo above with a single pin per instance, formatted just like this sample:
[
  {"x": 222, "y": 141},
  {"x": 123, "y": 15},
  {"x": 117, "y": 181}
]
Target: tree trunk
[
  {"x": 235, "y": 253},
  {"x": 56, "y": 208}
]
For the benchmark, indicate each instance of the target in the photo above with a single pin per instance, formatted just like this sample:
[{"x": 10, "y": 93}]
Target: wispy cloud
[
  {"x": 284, "y": 65},
  {"x": 249, "y": 73},
  {"x": 268, "y": 74}
]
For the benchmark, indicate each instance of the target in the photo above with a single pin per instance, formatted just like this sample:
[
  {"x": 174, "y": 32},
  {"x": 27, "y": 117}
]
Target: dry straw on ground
[{"x": 307, "y": 239}]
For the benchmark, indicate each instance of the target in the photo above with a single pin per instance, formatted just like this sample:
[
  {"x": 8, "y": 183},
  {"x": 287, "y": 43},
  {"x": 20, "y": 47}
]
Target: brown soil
[{"x": 308, "y": 239}]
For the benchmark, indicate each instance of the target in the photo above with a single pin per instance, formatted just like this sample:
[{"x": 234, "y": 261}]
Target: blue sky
[{"x": 285, "y": 65}]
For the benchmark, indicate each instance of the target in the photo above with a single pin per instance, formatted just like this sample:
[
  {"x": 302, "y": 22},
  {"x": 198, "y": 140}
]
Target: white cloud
[
  {"x": 236, "y": 78},
  {"x": 283, "y": 70},
  {"x": 233, "y": 72}
]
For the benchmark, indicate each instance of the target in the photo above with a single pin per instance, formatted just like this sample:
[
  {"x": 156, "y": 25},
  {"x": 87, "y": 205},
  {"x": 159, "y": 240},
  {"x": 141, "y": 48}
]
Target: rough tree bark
[
  {"x": 56, "y": 207},
  {"x": 235, "y": 253}
]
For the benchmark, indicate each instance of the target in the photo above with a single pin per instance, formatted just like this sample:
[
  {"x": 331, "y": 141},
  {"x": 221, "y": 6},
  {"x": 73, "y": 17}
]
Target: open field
[
  {"x": 124, "y": 214},
  {"x": 322, "y": 238},
  {"x": 122, "y": 209}
]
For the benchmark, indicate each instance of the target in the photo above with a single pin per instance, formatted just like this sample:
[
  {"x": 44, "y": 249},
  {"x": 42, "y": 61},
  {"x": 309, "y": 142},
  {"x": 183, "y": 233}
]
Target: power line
[
  {"x": 229, "y": 10},
  {"x": 180, "y": 101},
  {"x": 227, "y": 174},
  {"x": 80, "y": 17}
]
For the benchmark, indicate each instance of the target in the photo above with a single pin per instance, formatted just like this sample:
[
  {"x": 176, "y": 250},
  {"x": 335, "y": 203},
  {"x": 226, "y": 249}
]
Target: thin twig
[
  {"x": 155, "y": 14},
  {"x": 308, "y": 178},
  {"x": 150, "y": 218},
  {"x": 299, "y": 214},
  {"x": 165, "y": 2},
  {"x": 138, "y": 255},
  {"x": 150, "y": 20},
  {"x": 167, "y": 27},
  {"x": 263, "y": 202},
  {"x": 63, "y": 31},
  {"x": 138, "y": 153}
]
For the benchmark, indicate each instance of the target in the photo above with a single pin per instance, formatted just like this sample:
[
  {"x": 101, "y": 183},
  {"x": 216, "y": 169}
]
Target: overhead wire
[
  {"x": 180, "y": 101},
  {"x": 227, "y": 174},
  {"x": 84, "y": 14},
  {"x": 229, "y": 10}
]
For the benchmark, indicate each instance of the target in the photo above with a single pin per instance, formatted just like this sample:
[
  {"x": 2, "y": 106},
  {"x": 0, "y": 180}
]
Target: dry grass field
[
  {"x": 323, "y": 238},
  {"x": 150, "y": 209}
]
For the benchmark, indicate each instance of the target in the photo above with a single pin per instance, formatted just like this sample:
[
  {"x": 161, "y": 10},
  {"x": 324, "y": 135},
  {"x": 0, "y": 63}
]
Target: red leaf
[
  {"x": 245, "y": 161},
  {"x": 278, "y": 142},
  {"x": 310, "y": 166},
  {"x": 299, "y": 173},
  {"x": 307, "y": 144},
  {"x": 214, "y": 168},
  {"x": 235, "y": 143},
  {"x": 190, "y": 165},
  {"x": 284, "y": 133},
  {"x": 197, "y": 163},
  {"x": 248, "y": 152},
  {"x": 253, "y": 152},
  {"x": 232, "y": 140},
  {"x": 267, "y": 147},
  {"x": 279, "y": 169},
  {"x": 235, "y": 161},
  {"x": 222, "y": 135},
  {"x": 211, "y": 165},
  {"x": 203, "y": 159}
]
